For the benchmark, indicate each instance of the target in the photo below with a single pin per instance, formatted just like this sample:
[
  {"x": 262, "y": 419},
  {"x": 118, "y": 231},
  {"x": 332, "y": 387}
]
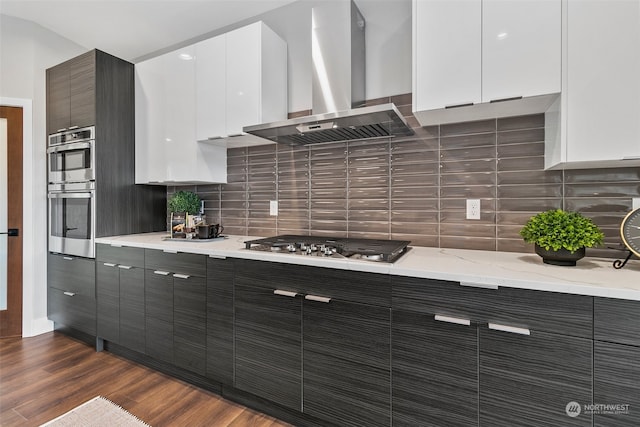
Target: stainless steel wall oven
[{"x": 71, "y": 192}]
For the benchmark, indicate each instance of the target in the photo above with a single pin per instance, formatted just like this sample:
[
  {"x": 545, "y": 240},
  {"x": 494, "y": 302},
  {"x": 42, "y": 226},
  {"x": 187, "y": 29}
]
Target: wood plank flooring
[{"x": 45, "y": 376}]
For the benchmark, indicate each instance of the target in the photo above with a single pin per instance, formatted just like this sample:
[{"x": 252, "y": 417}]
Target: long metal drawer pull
[
  {"x": 285, "y": 293},
  {"x": 479, "y": 285},
  {"x": 125, "y": 267},
  {"x": 162, "y": 273},
  {"x": 233, "y": 135},
  {"x": 511, "y": 329},
  {"x": 513, "y": 98},
  {"x": 115, "y": 245},
  {"x": 109, "y": 264},
  {"x": 68, "y": 258},
  {"x": 169, "y": 251},
  {"x": 455, "y": 320},
  {"x": 181, "y": 276},
  {"x": 217, "y": 256},
  {"x": 317, "y": 298},
  {"x": 466, "y": 104},
  {"x": 69, "y": 294}
]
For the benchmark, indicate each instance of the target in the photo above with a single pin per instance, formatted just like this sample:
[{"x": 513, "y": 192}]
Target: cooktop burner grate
[{"x": 336, "y": 247}]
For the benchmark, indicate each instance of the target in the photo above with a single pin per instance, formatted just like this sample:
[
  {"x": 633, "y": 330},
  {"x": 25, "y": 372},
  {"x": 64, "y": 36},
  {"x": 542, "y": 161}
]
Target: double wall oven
[{"x": 71, "y": 192}]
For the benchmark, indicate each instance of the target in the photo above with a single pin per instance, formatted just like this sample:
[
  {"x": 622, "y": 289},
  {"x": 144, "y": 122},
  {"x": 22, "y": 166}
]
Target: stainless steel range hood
[{"x": 338, "y": 86}]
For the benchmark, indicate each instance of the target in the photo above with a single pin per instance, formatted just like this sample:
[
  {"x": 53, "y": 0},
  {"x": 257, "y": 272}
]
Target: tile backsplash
[{"x": 415, "y": 188}]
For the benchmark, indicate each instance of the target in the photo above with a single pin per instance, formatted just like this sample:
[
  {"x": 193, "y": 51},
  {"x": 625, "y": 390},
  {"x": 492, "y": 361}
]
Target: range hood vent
[
  {"x": 378, "y": 121},
  {"x": 338, "y": 77}
]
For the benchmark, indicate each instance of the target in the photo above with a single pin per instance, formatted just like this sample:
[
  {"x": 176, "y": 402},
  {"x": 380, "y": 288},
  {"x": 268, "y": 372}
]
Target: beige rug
[{"x": 97, "y": 412}]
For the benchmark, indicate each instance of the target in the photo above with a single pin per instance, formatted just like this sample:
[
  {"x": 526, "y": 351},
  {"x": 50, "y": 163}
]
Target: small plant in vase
[
  {"x": 560, "y": 237},
  {"x": 182, "y": 206}
]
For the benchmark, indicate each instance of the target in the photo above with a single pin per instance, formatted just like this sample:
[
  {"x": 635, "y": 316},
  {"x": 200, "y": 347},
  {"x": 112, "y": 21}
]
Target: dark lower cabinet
[
  {"x": 220, "y": 274},
  {"x": 132, "y": 319},
  {"x": 190, "y": 322},
  {"x": 347, "y": 362},
  {"x": 108, "y": 301},
  {"x": 268, "y": 345},
  {"x": 530, "y": 380},
  {"x": 72, "y": 292},
  {"x": 158, "y": 307},
  {"x": 617, "y": 383},
  {"x": 435, "y": 371},
  {"x": 616, "y": 362}
]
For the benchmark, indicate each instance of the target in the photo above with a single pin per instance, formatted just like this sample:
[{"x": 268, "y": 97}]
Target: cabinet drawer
[
  {"x": 77, "y": 311},
  {"x": 616, "y": 320},
  {"x": 72, "y": 274},
  {"x": 341, "y": 285},
  {"x": 191, "y": 264},
  {"x": 537, "y": 310},
  {"x": 120, "y": 255}
]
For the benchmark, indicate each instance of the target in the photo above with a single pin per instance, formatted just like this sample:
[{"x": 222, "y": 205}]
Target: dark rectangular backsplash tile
[{"x": 415, "y": 187}]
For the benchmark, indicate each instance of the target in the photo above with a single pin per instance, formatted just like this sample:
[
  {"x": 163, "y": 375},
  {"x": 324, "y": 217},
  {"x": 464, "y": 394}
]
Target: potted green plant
[
  {"x": 182, "y": 206},
  {"x": 561, "y": 237}
]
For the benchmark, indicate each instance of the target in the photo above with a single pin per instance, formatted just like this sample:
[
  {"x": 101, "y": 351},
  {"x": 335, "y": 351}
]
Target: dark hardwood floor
[{"x": 45, "y": 376}]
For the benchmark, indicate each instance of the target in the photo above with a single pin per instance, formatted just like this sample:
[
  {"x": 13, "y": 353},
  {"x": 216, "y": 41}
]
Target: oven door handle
[
  {"x": 70, "y": 195},
  {"x": 69, "y": 146}
]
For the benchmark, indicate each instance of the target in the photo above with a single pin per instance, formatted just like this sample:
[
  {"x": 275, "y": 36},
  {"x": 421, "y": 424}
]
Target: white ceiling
[{"x": 131, "y": 29}]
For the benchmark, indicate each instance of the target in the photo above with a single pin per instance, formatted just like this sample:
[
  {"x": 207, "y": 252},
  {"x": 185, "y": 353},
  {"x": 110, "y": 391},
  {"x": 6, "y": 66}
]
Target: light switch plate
[
  {"x": 636, "y": 203},
  {"x": 273, "y": 207}
]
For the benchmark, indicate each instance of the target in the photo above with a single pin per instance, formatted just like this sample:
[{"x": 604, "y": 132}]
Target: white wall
[{"x": 26, "y": 51}]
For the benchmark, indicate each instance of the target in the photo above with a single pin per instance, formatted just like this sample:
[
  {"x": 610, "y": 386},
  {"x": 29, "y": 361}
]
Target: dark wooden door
[
  {"x": 220, "y": 274},
  {"x": 268, "y": 345},
  {"x": 11, "y": 317},
  {"x": 58, "y": 98},
  {"x": 158, "y": 308},
  {"x": 132, "y": 322},
  {"x": 347, "y": 363},
  {"x": 190, "y": 322},
  {"x": 530, "y": 379},
  {"x": 434, "y": 371}
]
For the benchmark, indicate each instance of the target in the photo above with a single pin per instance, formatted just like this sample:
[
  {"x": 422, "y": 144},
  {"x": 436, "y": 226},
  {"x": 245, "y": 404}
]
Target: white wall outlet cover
[
  {"x": 473, "y": 208},
  {"x": 636, "y": 203},
  {"x": 273, "y": 207}
]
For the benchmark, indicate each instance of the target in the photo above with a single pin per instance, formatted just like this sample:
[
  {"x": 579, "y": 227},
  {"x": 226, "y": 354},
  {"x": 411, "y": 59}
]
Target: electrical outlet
[
  {"x": 636, "y": 203},
  {"x": 273, "y": 207},
  {"x": 473, "y": 208}
]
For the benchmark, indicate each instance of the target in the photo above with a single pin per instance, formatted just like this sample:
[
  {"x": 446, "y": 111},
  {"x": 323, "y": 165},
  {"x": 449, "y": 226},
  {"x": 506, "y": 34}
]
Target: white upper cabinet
[
  {"x": 597, "y": 123},
  {"x": 167, "y": 151},
  {"x": 192, "y": 103},
  {"x": 471, "y": 54},
  {"x": 250, "y": 86},
  {"x": 211, "y": 83},
  {"x": 448, "y": 53},
  {"x": 521, "y": 48}
]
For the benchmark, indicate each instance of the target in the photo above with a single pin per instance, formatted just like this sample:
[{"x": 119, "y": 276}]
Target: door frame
[{"x": 34, "y": 206}]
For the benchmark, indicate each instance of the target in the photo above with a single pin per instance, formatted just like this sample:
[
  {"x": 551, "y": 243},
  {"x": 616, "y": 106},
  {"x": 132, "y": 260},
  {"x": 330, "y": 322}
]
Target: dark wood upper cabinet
[{"x": 71, "y": 93}]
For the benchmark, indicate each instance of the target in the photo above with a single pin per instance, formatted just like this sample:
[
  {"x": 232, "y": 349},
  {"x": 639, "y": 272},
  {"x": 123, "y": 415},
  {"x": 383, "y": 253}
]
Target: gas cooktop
[{"x": 338, "y": 247}]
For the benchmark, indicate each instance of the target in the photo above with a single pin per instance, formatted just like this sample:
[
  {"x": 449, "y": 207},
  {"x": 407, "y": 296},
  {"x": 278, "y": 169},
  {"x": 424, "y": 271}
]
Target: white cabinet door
[
  {"x": 211, "y": 109},
  {"x": 603, "y": 76},
  {"x": 150, "y": 143},
  {"x": 447, "y": 52},
  {"x": 244, "y": 68},
  {"x": 521, "y": 48},
  {"x": 179, "y": 104}
]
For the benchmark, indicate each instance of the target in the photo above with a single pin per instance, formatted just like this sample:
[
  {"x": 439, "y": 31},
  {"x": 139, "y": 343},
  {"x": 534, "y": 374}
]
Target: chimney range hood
[{"x": 338, "y": 86}]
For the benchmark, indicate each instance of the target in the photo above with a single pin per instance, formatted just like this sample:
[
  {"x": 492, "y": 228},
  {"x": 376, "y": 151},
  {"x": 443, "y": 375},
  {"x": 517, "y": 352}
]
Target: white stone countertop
[{"x": 592, "y": 276}]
